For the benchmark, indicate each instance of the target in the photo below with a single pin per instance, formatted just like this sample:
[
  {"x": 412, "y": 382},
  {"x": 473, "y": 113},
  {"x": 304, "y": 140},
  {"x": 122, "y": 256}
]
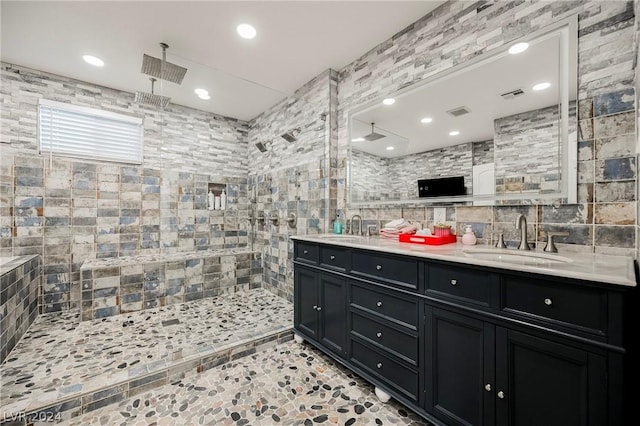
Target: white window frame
[{"x": 100, "y": 154}]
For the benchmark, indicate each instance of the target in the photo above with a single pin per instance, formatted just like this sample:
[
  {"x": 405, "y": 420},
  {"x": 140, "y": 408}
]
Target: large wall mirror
[{"x": 500, "y": 128}]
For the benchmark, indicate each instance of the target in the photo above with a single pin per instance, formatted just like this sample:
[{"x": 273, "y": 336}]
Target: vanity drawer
[
  {"x": 385, "y": 305},
  {"x": 399, "y": 343},
  {"x": 461, "y": 283},
  {"x": 396, "y": 270},
  {"x": 378, "y": 364},
  {"x": 334, "y": 257},
  {"x": 306, "y": 252},
  {"x": 580, "y": 306}
]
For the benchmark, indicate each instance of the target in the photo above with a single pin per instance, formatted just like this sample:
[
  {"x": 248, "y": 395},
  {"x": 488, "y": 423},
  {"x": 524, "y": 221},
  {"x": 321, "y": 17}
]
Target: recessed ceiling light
[
  {"x": 357, "y": 140},
  {"x": 389, "y": 101},
  {"x": 246, "y": 31},
  {"x": 426, "y": 120},
  {"x": 518, "y": 48},
  {"x": 201, "y": 92},
  {"x": 390, "y": 148},
  {"x": 204, "y": 97},
  {"x": 454, "y": 133},
  {"x": 97, "y": 62},
  {"x": 541, "y": 86}
]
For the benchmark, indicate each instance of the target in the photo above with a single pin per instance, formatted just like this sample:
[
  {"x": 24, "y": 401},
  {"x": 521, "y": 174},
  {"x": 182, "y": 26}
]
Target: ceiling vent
[
  {"x": 457, "y": 112},
  {"x": 512, "y": 94}
]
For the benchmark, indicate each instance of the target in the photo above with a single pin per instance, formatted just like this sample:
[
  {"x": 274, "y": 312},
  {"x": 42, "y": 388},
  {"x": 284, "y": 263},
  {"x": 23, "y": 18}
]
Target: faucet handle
[
  {"x": 369, "y": 228},
  {"x": 551, "y": 246},
  {"x": 500, "y": 243}
]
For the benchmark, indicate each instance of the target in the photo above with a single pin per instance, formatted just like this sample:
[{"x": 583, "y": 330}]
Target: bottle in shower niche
[
  {"x": 216, "y": 202},
  {"x": 223, "y": 200},
  {"x": 210, "y": 200}
]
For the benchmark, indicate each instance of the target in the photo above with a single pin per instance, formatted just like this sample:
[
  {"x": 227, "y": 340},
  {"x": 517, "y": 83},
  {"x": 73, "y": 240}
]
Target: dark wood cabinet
[
  {"x": 320, "y": 308},
  {"x": 460, "y": 368},
  {"x": 466, "y": 345}
]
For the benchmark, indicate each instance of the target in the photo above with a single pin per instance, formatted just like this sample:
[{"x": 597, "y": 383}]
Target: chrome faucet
[
  {"x": 521, "y": 224},
  {"x": 359, "y": 224}
]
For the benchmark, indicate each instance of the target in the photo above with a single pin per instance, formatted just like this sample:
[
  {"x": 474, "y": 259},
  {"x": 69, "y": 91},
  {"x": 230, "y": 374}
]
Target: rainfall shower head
[
  {"x": 151, "y": 98},
  {"x": 373, "y": 136},
  {"x": 261, "y": 147},
  {"x": 291, "y": 136},
  {"x": 160, "y": 68}
]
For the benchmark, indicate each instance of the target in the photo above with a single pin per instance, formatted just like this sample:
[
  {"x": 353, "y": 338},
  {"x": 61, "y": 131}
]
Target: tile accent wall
[
  {"x": 19, "y": 282},
  {"x": 636, "y": 26},
  {"x": 113, "y": 286},
  {"x": 604, "y": 220},
  {"x": 292, "y": 177},
  {"x": 69, "y": 210}
]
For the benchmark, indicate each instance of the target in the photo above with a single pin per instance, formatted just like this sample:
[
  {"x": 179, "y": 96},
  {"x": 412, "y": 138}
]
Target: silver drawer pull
[
  {"x": 454, "y": 282},
  {"x": 305, "y": 251},
  {"x": 548, "y": 302},
  {"x": 379, "y": 365},
  {"x": 378, "y": 267},
  {"x": 319, "y": 308},
  {"x": 487, "y": 387},
  {"x": 332, "y": 257},
  {"x": 501, "y": 395},
  {"x": 378, "y": 303},
  {"x": 378, "y": 335}
]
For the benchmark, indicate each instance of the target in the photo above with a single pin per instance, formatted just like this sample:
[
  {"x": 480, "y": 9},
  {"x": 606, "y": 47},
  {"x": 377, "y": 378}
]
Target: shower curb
[{"x": 84, "y": 401}]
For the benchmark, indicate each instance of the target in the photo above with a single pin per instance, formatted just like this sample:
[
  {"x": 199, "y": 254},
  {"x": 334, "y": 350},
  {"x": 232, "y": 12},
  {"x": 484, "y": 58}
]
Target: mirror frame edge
[{"x": 568, "y": 192}]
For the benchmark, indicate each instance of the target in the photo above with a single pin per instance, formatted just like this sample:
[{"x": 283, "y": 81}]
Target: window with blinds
[{"x": 76, "y": 131}]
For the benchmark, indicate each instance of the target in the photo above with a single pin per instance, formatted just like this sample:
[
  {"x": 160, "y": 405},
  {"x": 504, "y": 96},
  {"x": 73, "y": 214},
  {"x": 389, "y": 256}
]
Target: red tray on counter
[{"x": 427, "y": 239}]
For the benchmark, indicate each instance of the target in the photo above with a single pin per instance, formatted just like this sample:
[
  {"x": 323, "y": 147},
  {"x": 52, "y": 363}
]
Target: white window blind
[{"x": 75, "y": 131}]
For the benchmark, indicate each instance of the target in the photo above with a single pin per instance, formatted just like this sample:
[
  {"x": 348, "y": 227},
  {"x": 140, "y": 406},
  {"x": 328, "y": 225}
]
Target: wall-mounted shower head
[
  {"x": 261, "y": 147},
  {"x": 160, "y": 68},
  {"x": 292, "y": 135},
  {"x": 151, "y": 98},
  {"x": 373, "y": 136}
]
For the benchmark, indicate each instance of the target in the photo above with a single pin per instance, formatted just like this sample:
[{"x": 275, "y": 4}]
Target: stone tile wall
[
  {"x": 604, "y": 220},
  {"x": 292, "y": 177},
  {"x": 19, "y": 285},
  {"x": 69, "y": 210},
  {"x": 113, "y": 286}
]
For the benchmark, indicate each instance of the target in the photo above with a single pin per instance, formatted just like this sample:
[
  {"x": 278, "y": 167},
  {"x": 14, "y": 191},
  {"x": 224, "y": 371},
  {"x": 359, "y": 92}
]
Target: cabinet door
[
  {"x": 546, "y": 383},
  {"x": 306, "y": 301},
  {"x": 333, "y": 313},
  {"x": 459, "y": 373}
]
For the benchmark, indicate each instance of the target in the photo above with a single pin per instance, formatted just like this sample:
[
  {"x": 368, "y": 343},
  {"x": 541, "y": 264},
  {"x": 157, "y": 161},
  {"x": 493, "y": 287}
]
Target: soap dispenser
[
  {"x": 223, "y": 200},
  {"x": 469, "y": 238},
  {"x": 210, "y": 199}
]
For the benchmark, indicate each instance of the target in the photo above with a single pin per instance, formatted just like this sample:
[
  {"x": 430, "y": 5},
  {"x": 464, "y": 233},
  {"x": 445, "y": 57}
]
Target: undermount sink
[{"x": 513, "y": 256}]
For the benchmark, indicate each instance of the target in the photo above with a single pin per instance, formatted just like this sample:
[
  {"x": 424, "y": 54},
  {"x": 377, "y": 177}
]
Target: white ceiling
[{"x": 296, "y": 41}]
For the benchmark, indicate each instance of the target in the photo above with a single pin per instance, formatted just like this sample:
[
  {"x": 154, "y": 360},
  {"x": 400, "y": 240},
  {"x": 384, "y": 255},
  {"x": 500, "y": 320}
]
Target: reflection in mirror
[{"x": 504, "y": 124}]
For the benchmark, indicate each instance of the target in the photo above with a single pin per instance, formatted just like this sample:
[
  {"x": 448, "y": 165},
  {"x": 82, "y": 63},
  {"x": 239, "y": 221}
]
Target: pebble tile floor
[
  {"x": 288, "y": 384},
  {"x": 60, "y": 356}
]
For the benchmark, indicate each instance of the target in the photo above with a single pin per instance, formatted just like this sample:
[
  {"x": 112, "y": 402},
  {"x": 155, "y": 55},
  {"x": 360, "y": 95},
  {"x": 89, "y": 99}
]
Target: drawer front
[
  {"x": 400, "y": 377},
  {"x": 399, "y": 343},
  {"x": 385, "y": 305},
  {"x": 459, "y": 282},
  {"x": 583, "y": 307},
  {"x": 399, "y": 271},
  {"x": 334, "y": 257},
  {"x": 307, "y": 252}
]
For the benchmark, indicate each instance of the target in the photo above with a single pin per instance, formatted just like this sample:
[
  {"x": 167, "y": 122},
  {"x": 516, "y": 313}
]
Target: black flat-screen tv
[{"x": 448, "y": 186}]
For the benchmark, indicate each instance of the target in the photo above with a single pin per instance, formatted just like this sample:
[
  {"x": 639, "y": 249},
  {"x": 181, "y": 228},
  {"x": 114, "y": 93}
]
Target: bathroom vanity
[{"x": 473, "y": 336}]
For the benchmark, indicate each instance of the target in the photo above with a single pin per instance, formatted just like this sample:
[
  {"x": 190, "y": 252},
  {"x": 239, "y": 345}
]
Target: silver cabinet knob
[
  {"x": 501, "y": 395},
  {"x": 332, "y": 257},
  {"x": 315, "y": 306},
  {"x": 454, "y": 282},
  {"x": 305, "y": 251},
  {"x": 378, "y": 335},
  {"x": 378, "y": 303},
  {"x": 319, "y": 308},
  {"x": 379, "y": 365},
  {"x": 548, "y": 302},
  {"x": 378, "y": 267},
  {"x": 487, "y": 387}
]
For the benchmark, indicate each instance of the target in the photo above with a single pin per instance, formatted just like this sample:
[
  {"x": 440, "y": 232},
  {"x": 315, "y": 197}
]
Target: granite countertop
[{"x": 617, "y": 270}]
